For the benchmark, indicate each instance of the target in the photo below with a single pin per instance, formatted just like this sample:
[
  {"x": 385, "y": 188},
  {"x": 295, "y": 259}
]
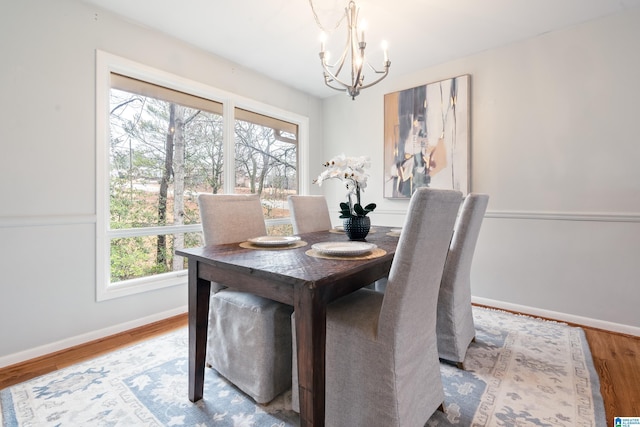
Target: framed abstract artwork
[{"x": 426, "y": 138}]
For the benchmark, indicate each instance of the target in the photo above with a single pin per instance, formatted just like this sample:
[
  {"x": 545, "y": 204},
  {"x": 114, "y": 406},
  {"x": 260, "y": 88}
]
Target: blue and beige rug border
[
  {"x": 591, "y": 402},
  {"x": 520, "y": 371}
]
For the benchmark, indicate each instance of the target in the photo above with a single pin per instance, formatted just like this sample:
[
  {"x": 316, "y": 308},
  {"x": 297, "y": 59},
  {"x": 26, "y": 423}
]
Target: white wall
[
  {"x": 47, "y": 167},
  {"x": 554, "y": 141}
]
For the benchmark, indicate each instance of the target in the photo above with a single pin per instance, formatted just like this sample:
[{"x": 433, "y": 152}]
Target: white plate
[
  {"x": 343, "y": 248},
  {"x": 274, "y": 240}
]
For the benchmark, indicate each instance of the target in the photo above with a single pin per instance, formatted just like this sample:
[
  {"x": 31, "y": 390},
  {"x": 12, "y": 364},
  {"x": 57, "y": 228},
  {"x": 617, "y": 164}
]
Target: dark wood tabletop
[{"x": 290, "y": 276}]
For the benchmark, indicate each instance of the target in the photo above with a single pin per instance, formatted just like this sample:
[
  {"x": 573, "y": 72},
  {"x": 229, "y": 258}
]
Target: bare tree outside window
[{"x": 265, "y": 165}]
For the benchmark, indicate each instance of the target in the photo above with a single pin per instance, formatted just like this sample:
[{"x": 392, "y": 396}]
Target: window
[
  {"x": 266, "y": 159},
  {"x": 161, "y": 141}
]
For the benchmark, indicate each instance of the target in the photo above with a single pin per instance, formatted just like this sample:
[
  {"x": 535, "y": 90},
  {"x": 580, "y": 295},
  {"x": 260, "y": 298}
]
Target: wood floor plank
[{"x": 616, "y": 358}]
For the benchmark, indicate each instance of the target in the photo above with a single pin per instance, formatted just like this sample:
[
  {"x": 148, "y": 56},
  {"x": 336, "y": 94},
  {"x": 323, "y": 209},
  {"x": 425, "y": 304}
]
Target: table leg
[
  {"x": 311, "y": 315},
  {"x": 199, "y": 292}
]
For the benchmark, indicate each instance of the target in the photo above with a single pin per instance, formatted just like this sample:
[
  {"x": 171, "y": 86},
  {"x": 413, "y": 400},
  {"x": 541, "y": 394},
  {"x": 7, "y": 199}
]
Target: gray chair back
[
  {"x": 230, "y": 218},
  {"x": 309, "y": 214},
  {"x": 455, "y": 327},
  {"x": 421, "y": 251}
]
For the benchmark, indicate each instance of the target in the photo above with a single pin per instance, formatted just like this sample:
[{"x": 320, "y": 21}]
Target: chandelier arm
[
  {"x": 356, "y": 80},
  {"x": 373, "y": 83},
  {"x": 386, "y": 68},
  {"x": 340, "y": 89},
  {"x": 334, "y": 78},
  {"x": 386, "y": 72},
  {"x": 339, "y": 64},
  {"x": 355, "y": 46},
  {"x": 342, "y": 59}
]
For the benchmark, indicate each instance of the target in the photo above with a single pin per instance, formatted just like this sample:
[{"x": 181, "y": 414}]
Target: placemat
[
  {"x": 393, "y": 234},
  {"x": 376, "y": 253},
  {"x": 249, "y": 245}
]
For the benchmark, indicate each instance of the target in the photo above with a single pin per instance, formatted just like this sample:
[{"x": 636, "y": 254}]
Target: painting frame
[{"x": 427, "y": 138}]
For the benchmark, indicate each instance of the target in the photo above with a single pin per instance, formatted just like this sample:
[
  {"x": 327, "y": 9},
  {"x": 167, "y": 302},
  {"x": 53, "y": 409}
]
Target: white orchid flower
[{"x": 351, "y": 170}]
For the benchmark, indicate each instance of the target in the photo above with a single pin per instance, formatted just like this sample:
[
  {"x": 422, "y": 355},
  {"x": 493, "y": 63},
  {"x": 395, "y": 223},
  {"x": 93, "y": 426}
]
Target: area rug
[{"x": 520, "y": 371}]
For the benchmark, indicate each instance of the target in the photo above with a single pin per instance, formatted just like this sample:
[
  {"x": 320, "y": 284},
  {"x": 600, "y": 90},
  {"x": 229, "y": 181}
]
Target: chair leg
[{"x": 460, "y": 365}]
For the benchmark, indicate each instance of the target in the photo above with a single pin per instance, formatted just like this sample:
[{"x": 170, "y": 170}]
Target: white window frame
[{"x": 106, "y": 64}]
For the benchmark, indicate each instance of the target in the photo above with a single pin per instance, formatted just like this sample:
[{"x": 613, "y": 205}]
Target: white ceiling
[{"x": 279, "y": 38}]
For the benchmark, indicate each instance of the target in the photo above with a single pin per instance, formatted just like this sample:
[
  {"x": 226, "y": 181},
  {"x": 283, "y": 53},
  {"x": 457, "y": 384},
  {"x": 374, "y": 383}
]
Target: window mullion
[
  {"x": 154, "y": 231},
  {"x": 228, "y": 133}
]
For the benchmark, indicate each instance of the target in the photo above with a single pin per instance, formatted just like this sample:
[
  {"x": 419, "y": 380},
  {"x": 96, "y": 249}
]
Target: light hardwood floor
[
  {"x": 616, "y": 358},
  {"x": 24, "y": 371}
]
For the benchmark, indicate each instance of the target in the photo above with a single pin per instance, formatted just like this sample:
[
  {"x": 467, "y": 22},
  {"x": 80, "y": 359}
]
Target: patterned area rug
[{"x": 519, "y": 371}]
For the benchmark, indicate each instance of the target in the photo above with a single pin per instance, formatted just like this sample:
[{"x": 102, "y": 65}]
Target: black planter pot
[{"x": 357, "y": 227}]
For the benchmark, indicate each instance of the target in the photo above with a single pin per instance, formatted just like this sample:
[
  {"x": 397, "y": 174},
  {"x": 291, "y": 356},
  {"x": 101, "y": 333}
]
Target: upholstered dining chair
[
  {"x": 249, "y": 337},
  {"x": 382, "y": 366},
  {"x": 309, "y": 213},
  {"x": 455, "y": 328},
  {"x": 230, "y": 218}
]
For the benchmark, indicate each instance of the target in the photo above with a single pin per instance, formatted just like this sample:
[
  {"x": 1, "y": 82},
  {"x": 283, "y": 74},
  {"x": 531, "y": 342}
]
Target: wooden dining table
[{"x": 291, "y": 276}]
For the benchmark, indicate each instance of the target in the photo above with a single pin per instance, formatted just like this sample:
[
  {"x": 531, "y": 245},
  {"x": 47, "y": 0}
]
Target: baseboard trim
[
  {"x": 556, "y": 315},
  {"x": 66, "y": 343}
]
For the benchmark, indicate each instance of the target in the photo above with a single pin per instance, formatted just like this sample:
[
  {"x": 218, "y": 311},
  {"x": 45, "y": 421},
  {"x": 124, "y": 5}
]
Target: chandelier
[{"x": 354, "y": 48}]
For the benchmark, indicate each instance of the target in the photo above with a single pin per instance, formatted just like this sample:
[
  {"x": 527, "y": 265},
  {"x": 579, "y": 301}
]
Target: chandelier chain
[{"x": 315, "y": 16}]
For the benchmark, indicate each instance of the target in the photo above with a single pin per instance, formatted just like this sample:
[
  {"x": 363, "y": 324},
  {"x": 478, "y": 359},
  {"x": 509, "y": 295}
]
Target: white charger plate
[
  {"x": 274, "y": 240},
  {"x": 343, "y": 248}
]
